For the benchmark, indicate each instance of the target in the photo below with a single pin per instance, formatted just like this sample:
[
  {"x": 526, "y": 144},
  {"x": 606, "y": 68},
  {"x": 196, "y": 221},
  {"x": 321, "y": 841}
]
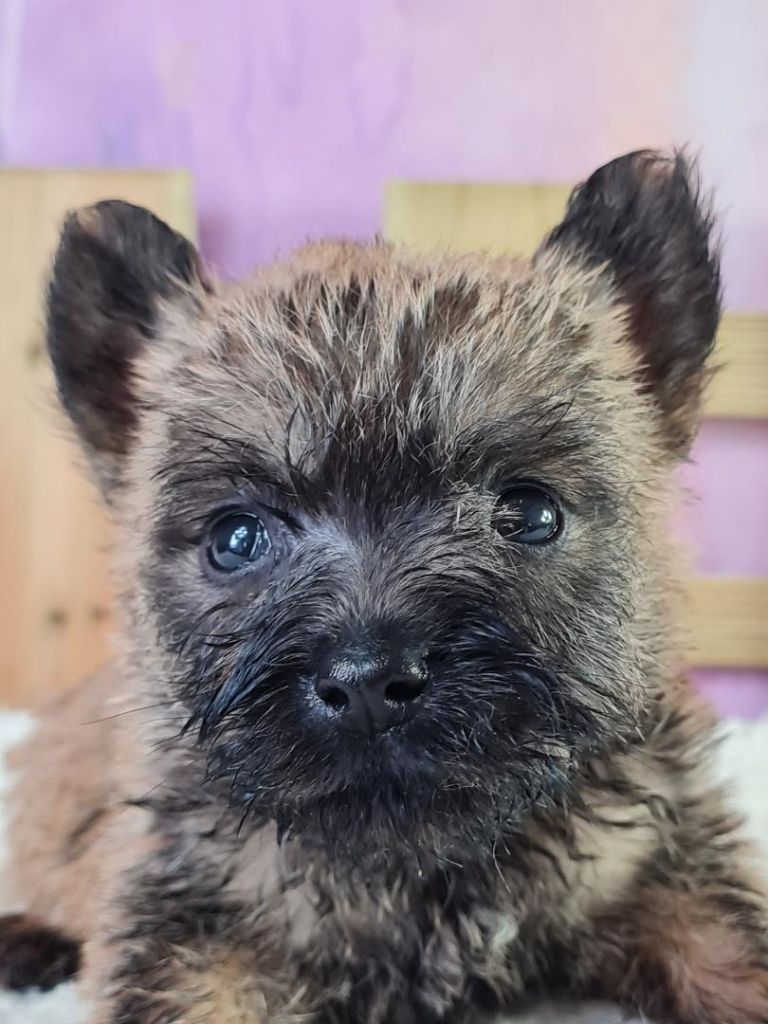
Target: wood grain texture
[
  {"x": 514, "y": 219},
  {"x": 55, "y": 598},
  {"x": 740, "y": 388},
  {"x": 493, "y": 218},
  {"x": 728, "y": 622}
]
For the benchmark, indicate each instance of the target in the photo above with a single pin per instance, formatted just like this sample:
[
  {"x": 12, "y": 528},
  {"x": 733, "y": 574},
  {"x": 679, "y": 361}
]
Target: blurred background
[{"x": 284, "y": 120}]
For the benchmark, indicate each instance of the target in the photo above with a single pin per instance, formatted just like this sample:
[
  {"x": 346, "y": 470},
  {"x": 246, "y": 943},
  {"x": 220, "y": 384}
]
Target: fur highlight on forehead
[
  {"x": 376, "y": 336},
  {"x": 341, "y": 321}
]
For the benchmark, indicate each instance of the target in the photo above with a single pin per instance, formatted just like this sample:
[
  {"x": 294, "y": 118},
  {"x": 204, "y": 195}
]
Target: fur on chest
[{"x": 445, "y": 944}]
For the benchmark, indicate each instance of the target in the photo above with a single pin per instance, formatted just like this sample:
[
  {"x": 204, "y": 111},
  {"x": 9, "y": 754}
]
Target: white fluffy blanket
[{"x": 743, "y": 759}]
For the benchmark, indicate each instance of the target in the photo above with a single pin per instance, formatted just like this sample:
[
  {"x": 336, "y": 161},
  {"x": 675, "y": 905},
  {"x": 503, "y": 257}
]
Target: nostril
[
  {"x": 332, "y": 695},
  {"x": 404, "y": 690}
]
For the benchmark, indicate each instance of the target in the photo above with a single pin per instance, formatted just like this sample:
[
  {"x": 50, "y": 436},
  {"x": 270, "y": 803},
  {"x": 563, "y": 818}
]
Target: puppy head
[{"x": 392, "y": 528}]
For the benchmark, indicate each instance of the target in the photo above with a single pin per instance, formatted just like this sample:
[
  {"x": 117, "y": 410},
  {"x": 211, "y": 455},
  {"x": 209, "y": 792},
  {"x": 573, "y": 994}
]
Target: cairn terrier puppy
[{"x": 398, "y": 729}]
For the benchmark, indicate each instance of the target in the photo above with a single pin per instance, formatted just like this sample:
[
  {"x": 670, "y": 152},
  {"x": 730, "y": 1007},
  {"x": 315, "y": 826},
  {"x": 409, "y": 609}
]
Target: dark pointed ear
[
  {"x": 642, "y": 216},
  {"x": 115, "y": 264}
]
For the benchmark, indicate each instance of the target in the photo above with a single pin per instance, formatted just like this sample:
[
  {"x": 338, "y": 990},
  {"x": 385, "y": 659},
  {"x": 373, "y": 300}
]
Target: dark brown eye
[
  {"x": 527, "y": 514},
  {"x": 237, "y": 540}
]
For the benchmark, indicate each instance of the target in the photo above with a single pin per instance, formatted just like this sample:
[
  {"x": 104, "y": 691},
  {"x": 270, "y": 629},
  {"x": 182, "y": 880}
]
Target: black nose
[{"x": 369, "y": 692}]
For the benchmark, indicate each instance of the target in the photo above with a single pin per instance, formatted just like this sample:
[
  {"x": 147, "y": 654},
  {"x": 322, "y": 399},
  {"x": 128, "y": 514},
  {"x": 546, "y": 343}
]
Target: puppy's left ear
[
  {"x": 116, "y": 270},
  {"x": 643, "y": 218}
]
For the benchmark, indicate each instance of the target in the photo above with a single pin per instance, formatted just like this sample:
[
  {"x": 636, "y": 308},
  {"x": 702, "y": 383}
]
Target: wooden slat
[
  {"x": 514, "y": 219},
  {"x": 55, "y": 599},
  {"x": 740, "y": 388},
  {"x": 494, "y": 218},
  {"x": 728, "y": 622}
]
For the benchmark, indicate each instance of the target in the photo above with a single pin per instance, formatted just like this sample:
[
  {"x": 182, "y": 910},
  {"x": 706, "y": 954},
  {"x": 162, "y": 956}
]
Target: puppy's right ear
[{"x": 116, "y": 264}]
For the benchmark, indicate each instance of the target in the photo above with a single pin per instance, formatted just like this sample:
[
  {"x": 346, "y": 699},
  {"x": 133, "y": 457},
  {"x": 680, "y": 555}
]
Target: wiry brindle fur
[{"x": 526, "y": 806}]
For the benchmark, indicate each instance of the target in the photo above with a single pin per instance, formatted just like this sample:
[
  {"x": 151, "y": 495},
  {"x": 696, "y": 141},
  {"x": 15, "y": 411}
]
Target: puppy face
[{"x": 395, "y": 526}]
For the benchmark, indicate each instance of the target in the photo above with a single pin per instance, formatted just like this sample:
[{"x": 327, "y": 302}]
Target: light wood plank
[
  {"x": 493, "y": 218},
  {"x": 55, "y": 598},
  {"x": 728, "y": 622},
  {"x": 740, "y": 388},
  {"x": 514, "y": 219}
]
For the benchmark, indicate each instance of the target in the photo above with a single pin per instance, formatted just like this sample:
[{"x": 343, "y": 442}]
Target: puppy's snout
[{"x": 369, "y": 691}]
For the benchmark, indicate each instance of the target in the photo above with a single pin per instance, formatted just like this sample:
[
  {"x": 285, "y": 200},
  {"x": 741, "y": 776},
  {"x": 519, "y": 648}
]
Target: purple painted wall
[{"x": 293, "y": 113}]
